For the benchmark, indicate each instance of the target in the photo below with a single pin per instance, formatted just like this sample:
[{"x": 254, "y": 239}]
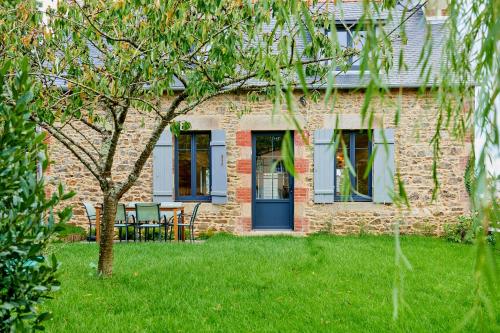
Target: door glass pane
[
  {"x": 202, "y": 164},
  {"x": 342, "y": 177},
  {"x": 184, "y": 157},
  {"x": 362, "y": 156},
  {"x": 283, "y": 182},
  {"x": 272, "y": 180}
]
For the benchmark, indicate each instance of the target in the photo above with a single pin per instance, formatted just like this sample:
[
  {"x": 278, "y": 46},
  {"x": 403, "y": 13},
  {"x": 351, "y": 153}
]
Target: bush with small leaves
[
  {"x": 27, "y": 218},
  {"x": 466, "y": 231},
  {"x": 461, "y": 232}
]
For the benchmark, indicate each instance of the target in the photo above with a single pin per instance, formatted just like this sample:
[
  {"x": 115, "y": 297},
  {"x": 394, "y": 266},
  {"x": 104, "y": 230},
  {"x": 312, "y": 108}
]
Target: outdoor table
[{"x": 174, "y": 207}]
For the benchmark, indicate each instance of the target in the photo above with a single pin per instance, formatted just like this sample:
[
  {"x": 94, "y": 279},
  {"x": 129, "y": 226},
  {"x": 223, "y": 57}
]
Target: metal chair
[
  {"x": 91, "y": 216},
  {"x": 189, "y": 225},
  {"x": 147, "y": 216},
  {"x": 121, "y": 221}
]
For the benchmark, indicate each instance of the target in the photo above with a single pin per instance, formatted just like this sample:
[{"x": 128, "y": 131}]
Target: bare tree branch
[
  {"x": 112, "y": 141},
  {"x": 96, "y": 128},
  {"x": 148, "y": 148},
  {"x": 84, "y": 137},
  {"x": 70, "y": 146},
  {"x": 73, "y": 142},
  {"x": 180, "y": 78}
]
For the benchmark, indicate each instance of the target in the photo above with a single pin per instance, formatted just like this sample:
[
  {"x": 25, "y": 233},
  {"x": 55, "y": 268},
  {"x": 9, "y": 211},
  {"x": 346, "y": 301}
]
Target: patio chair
[
  {"x": 189, "y": 225},
  {"x": 121, "y": 221},
  {"x": 147, "y": 216},
  {"x": 91, "y": 216}
]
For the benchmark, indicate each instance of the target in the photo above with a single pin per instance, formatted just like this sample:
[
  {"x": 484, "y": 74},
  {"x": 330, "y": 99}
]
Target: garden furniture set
[{"x": 141, "y": 218}]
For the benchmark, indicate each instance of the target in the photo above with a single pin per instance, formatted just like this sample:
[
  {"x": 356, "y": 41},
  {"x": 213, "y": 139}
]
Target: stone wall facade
[{"x": 240, "y": 116}]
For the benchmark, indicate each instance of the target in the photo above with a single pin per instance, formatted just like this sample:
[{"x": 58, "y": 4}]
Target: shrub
[
  {"x": 26, "y": 276},
  {"x": 465, "y": 231},
  {"x": 461, "y": 232},
  {"x": 70, "y": 232},
  {"x": 209, "y": 233},
  {"x": 469, "y": 175}
]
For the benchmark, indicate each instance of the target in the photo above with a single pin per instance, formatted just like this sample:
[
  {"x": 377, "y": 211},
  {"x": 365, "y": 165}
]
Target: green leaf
[{"x": 287, "y": 153}]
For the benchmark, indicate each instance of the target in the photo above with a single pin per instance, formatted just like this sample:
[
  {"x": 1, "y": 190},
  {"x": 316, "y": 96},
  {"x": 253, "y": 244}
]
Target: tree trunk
[{"x": 105, "y": 267}]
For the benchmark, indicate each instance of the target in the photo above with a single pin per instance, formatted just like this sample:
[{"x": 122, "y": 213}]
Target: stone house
[{"x": 230, "y": 159}]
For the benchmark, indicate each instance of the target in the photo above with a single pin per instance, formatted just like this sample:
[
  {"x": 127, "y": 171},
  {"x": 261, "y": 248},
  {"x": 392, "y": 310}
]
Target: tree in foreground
[
  {"x": 99, "y": 61},
  {"x": 26, "y": 218}
]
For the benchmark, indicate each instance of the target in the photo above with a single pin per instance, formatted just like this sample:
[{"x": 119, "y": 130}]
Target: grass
[{"x": 264, "y": 284}]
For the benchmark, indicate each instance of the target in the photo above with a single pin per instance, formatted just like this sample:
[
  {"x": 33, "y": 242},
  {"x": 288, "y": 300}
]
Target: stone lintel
[
  {"x": 270, "y": 122},
  {"x": 351, "y": 121},
  {"x": 201, "y": 122}
]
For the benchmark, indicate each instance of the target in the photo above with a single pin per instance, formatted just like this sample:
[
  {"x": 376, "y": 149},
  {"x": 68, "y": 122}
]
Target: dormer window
[{"x": 350, "y": 38}]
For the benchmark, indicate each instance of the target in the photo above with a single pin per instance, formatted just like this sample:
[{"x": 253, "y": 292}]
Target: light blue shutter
[
  {"x": 324, "y": 186},
  {"x": 162, "y": 168},
  {"x": 218, "y": 167},
  {"x": 383, "y": 165}
]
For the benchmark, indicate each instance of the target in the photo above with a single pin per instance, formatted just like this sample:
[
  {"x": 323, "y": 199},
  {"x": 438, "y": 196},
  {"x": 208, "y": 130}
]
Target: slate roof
[{"x": 415, "y": 29}]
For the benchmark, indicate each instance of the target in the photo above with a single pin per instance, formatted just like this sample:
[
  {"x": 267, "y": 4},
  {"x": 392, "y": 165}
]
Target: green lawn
[{"x": 264, "y": 284}]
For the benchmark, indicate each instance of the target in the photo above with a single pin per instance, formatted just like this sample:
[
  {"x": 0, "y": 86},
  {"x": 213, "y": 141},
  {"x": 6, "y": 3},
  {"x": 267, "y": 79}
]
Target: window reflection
[
  {"x": 184, "y": 158},
  {"x": 272, "y": 180},
  {"x": 361, "y": 163},
  {"x": 351, "y": 183},
  {"x": 193, "y": 163},
  {"x": 202, "y": 164},
  {"x": 341, "y": 168},
  {"x": 351, "y": 37}
]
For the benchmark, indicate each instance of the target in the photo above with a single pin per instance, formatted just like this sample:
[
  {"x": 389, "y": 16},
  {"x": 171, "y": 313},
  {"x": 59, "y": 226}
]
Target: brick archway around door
[{"x": 303, "y": 180}]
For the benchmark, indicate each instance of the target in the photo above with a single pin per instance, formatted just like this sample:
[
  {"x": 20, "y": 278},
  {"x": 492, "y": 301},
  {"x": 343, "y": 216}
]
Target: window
[
  {"x": 358, "y": 150},
  {"x": 350, "y": 38},
  {"x": 192, "y": 166}
]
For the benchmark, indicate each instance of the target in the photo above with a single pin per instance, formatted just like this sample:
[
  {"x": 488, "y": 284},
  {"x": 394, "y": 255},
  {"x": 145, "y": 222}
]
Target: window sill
[
  {"x": 436, "y": 19},
  {"x": 353, "y": 198},
  {"x": 349, "y": 72},
  {"x": 352, "y": 201},
  {"x": 193, "y": 200}
]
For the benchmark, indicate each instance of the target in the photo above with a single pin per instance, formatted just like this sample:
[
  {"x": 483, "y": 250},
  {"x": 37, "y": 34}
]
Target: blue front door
[{"x": 272, "y": 194}]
